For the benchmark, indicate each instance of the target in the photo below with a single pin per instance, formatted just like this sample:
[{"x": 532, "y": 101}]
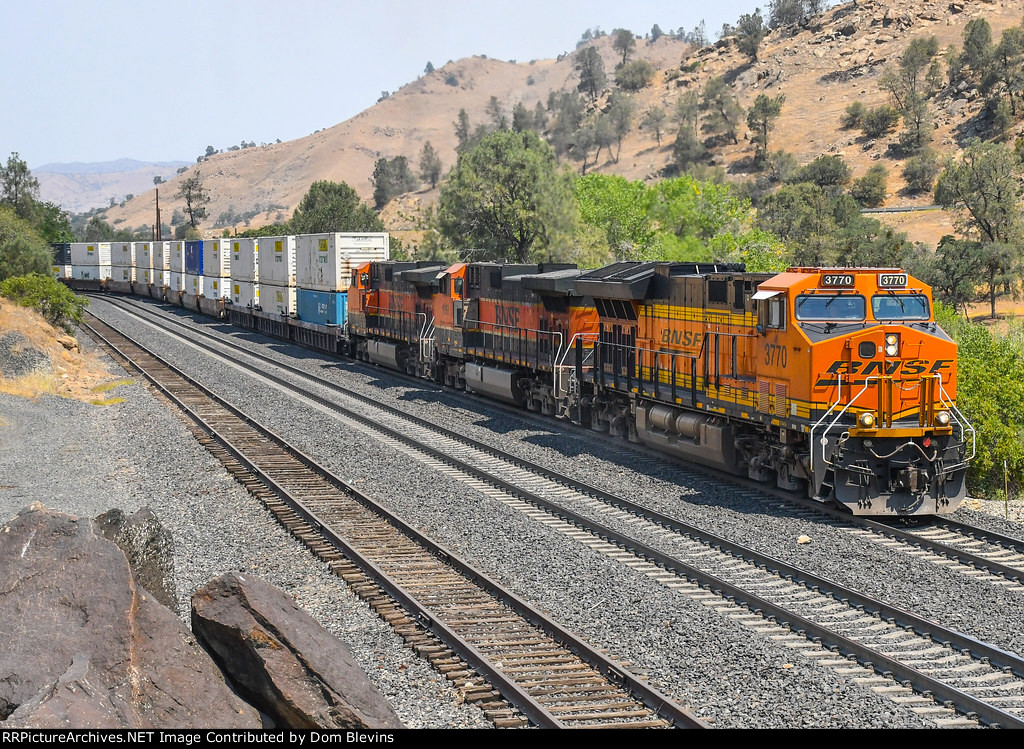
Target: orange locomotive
[
  {"x": 837, "y": 380},
  {"x": 832, "y": 381}
]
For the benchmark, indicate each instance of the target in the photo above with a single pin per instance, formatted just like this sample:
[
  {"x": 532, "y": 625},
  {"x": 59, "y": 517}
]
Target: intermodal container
[
  {"x": 194, "y": 257},
  {"x": 122, "y": 273},
  {"x": 277, "y": 299},
  {"x": 161, "y": 278},
  {"x": 276, "y": 260},
  {"x": 322, "y": 307},
  {"x": 176, "y": 281},
  {"x": 161, "y": 256},
  {"x": 122, "y": 254},
  {"x": 244, "y": 260},
  {"x": 143, "y": 276},
  {"x": 217, "y": 287},
  {"x": 244, "y": 293},
  {"x": 216, "y": 258},
  {"x": 61, "y": 253},
  {"x": 324, "y": 262},
  {"x": 62, "y": 272},
  {"x": 176, "y": 258},
  {"x": 143, "y": 257},
  {"x": 193, "y": 284},
  {"x": 90, "y": 253}
]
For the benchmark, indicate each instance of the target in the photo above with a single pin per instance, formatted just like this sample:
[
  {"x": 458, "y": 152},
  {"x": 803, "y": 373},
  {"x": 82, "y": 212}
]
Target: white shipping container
[
  {"x": 176, "y": 281},
  {"x": 276, "y": 260},
  {"x": 244, "y": 260},
  {"x": 90, "y": 272},
  {"x": 216, "y": 258},
  {"x": 143, "y": 256},
  {"x": 122, "y": 273},
  {"x": 217, "y": 287},
  {"x": 324, "y": 262},
  {"x": 176, "y": 257},
  {"x": 161, "y": 255},
  {"x": 62, "y": 272},
  {"x": 122, "y": 254},
  {"x": 244, "y": 293},
  {"x": 90, "y": 253},
  {"x": 142, "y": 275},
  {"x": 161, "y": 278},
  {"x": 193, "y": 284},
  {"x": 280, "y": 300}
]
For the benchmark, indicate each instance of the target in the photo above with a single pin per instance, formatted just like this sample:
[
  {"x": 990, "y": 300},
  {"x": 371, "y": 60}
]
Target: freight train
[{"x": 833, "y": 382}]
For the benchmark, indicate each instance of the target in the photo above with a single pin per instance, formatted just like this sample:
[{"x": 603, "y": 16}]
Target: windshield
[
  {"x": 900, "y": 307},
  {"x": 830, "y": 307}
]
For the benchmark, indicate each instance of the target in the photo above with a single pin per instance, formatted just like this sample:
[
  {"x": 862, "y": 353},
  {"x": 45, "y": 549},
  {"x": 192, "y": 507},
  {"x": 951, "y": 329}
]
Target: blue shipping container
[
  {"x": 194, "y": 257},
  {"x": 323, "y": 307}
]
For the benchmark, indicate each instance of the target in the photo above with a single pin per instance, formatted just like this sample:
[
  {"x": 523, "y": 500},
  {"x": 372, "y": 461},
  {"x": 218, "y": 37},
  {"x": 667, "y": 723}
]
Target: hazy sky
[{"x": 101, "y": 80}]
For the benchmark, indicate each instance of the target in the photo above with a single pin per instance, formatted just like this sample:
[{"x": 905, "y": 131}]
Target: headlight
[
  {"x": 942, "y": 419},
  {"x": 892, "y": 344},
  {"x": 866, "y": 420}
]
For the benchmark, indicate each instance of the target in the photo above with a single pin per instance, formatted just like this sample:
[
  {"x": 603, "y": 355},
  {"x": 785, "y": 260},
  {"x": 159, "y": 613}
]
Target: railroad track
[
  {"x": 932, "y": 669},
  {"x": 459, "y": 618}
]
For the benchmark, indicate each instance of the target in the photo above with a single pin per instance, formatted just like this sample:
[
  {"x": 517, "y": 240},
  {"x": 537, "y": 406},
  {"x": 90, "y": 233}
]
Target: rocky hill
[{"x": 821, "y": 66}]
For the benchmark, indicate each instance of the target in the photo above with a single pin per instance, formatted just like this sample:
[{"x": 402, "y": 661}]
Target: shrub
[
  {"x": 920, "y": 171},
  {"x": 870, "y": 189},
  {"x": 878, "y": 121},
  {"x": 854, "y": 115},
  {"x": 53, "y": 300},
  {"x": 634, "y": 75}
]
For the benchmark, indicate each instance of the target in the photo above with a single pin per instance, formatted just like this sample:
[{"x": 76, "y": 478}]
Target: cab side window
[{"x": 777, "y": 313}]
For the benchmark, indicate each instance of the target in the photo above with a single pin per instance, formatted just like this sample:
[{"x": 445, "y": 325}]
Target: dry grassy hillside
[{"x": 822, "y": 67}]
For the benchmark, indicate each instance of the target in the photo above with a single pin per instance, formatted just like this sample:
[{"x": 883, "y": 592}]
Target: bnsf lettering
[
  {"x": 867, "y": 369},
  {"x": 684, "y": 338},
  {"x": 508, "y": 316}
]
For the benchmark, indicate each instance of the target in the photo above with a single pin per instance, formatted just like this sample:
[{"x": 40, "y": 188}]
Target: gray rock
[
  {"x": 85, "y": 645},
  {"x": 282, "y": 659},
  {"x": 148, "y": 547},
  {"x": 18, "y": 357}
]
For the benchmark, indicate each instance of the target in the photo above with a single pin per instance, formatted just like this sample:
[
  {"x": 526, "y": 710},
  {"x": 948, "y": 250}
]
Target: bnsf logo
[
  {"x": 684, "y": 338},
  {"x": 865, "y": 369},
  {"x": 508, "y": 316}
]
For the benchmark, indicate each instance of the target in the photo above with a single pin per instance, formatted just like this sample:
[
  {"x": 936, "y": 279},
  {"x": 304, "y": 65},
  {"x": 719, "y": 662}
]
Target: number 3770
[{"x": 775, "y": 355}]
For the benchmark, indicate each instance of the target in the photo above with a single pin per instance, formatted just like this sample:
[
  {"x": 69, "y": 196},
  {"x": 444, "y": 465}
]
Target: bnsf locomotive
[{"x": 836, "y": 382}]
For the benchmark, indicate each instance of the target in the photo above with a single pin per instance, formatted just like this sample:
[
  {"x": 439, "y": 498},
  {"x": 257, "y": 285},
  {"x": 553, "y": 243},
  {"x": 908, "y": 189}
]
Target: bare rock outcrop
[
  {"x": 86, "y": 646},
  {"x": 282, "y": 660}
]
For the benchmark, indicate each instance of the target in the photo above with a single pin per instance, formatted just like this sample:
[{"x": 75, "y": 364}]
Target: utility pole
[{"x": 157, "y": 228}]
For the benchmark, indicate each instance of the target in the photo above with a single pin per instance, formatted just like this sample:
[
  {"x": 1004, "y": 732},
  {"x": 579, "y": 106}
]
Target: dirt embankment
[{"x": 37, "y": 359}]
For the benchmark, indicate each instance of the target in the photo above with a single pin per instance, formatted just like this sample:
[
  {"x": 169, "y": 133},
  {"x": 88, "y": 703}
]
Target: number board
[
  {"x": 833, "y": 280},
  {"x": 891, "y": 280}
]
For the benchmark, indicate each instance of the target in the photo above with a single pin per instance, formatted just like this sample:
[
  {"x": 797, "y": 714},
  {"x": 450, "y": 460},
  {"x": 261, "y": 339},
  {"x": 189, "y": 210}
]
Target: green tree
[
  {"x": 52, "y": 223},
  {"x": 462, "y": 131},
  {"x": 984, "y": 190},
  {"x": 723, "y": 112},
  {"x": 22, "y": 250},
  {"x": 98, "y": 230},
  {"x": 616, "y": 207},
  {"x": 760, "y": 119},
  {"x": 655, "y": 120},
  {"x": 624, "y": 42},
  {"x": 854, "y": 115},
  {"x": 620, "y": 118},
  {"x": 333, "y": 207},
  {"x": 1006, "y": 72},
  {"x": 508, "y": 198},
  {"x": 879, "y": 121},
  {"x": 390, "y": 179},
  {"x": 60, "y": 306},
  {"x": 920, "y": 171},
  {"x": 590, "y": 66},
  {"x": 974, "y": 60},
  {"x": 687, "y": 111},
  {"x": 429, "y": 68},
  {"x": 195, "y": 196},
  {"x": 870, "y": 189},
  {"x": 522, "y": 118},
  {"x": 430, "y": 165},
  {"x": 825, "y": 171},
  {"x": 18, "y": 188},
  {"x": 540, "y": 118},
  {"x": 497, "y": 114},
  {"x": 785, "y": 12},
  {"x": 634, "y": 75},
  {"x": 750, "y": 32},
  {"x": 954, "y": 270},
  {"x": 687, "y": 150}
]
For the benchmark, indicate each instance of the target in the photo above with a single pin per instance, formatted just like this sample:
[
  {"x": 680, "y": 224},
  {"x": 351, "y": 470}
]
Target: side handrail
[{"x": 961, "y": 420}]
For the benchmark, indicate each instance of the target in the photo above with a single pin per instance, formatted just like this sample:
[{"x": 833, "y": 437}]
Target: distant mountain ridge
[
  {"x": 79, "y": 187},
  {"x": 103, "y": 167}
]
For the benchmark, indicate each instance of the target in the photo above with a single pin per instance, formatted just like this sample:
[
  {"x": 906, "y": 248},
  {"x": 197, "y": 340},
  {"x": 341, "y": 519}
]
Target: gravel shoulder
[{"x": 84, "y": 459}]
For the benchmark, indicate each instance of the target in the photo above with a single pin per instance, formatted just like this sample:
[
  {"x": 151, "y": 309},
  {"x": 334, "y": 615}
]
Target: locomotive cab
[{"x": 875, "y": 385}]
